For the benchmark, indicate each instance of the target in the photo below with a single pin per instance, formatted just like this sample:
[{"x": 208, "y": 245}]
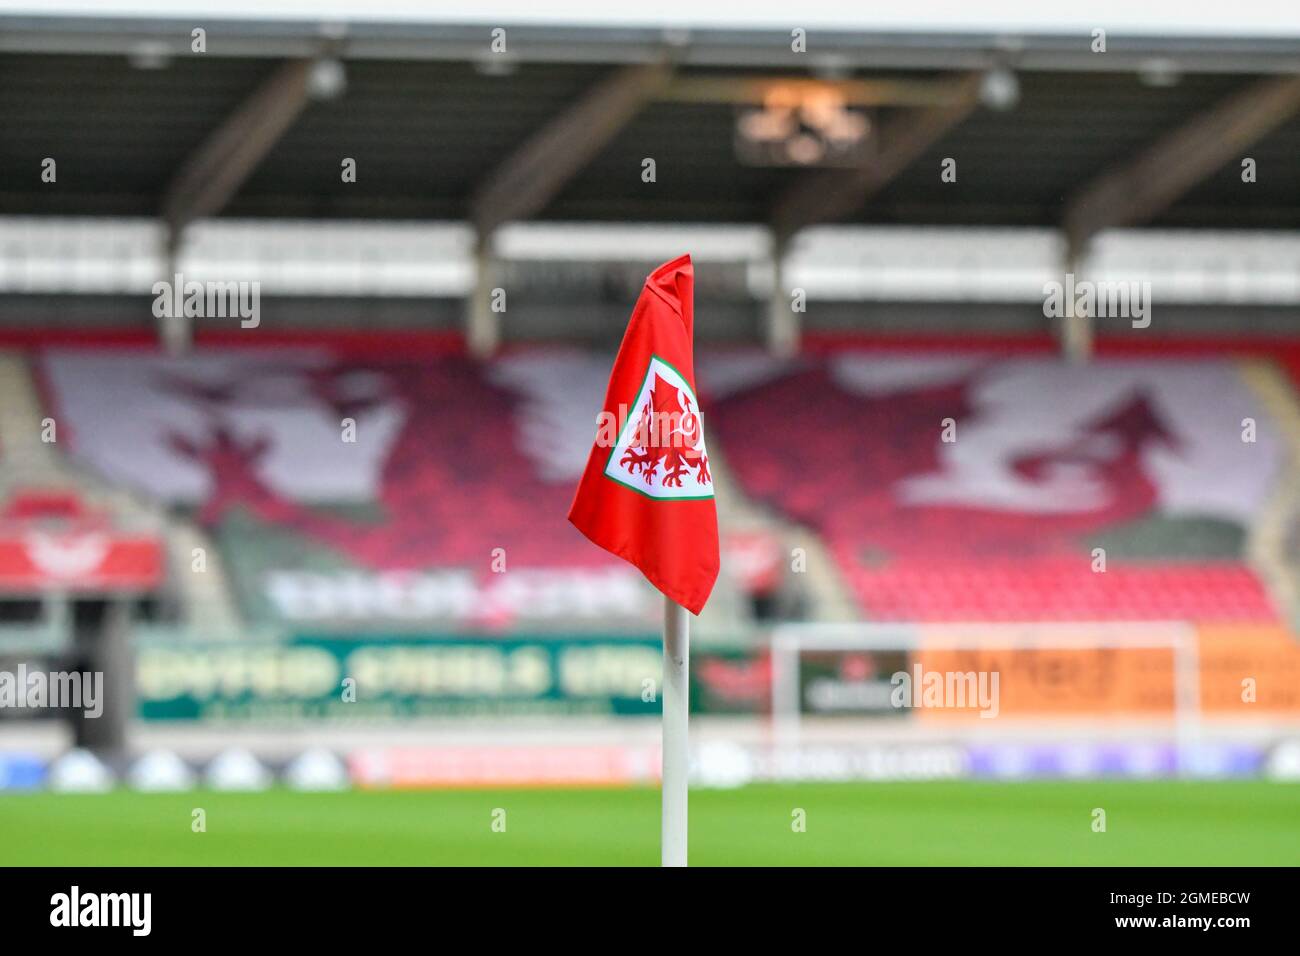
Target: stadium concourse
[{"x": 309, "y": 522}]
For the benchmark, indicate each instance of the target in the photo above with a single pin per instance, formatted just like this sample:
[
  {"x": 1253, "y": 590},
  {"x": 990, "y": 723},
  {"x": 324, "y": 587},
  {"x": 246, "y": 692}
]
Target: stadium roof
[
  {"x": 487, "y": 114},
  {"x": 1244, "y": 18},
  {"x": 1150, "y": 132}
]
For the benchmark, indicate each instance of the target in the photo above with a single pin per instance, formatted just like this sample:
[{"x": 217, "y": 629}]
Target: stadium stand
[
  {"x": 993, "y": 486},
  {"x": 988, "y": 483},
  {"x": 314, "y": 475}
]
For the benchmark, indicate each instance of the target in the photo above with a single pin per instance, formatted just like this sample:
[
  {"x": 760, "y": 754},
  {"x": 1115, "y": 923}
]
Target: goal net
[{"x": 990, "y": 681}]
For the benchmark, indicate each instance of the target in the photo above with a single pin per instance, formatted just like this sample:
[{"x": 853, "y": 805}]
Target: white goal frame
[{"x": 788, "y": 641}]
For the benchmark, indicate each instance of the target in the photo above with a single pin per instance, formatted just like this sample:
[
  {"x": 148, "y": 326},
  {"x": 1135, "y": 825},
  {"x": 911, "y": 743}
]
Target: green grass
[{"x": 899, "y": 824}]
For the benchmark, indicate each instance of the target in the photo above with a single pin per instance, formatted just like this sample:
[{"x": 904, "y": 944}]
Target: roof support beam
[
  {"x": 1077, "y": 328},
  {"x": 531, "y": 176},
  {"x": 833, "y": 194},
  {"x": 482, "y": 323},
  {"x": 1165, "y": 170},
  {"x": 210, "y": 176},
  {"x": 783, "y": 325},
  {"x": 213, "y": 173}
]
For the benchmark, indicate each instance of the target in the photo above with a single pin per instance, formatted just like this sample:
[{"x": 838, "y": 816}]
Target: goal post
[{"x": 789, "y": 642}]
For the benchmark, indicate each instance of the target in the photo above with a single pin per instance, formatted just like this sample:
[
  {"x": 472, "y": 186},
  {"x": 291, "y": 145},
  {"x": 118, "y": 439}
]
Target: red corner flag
[{"x": 647, "y": 495}]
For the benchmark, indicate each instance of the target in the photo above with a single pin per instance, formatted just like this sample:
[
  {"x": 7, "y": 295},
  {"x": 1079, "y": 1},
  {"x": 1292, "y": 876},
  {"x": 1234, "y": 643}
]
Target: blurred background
[{"x": 322, "y": 543}]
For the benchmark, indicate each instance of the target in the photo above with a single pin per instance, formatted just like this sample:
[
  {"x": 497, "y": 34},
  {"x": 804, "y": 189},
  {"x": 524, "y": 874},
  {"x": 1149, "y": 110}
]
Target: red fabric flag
[{"x": 647, "y": 495}]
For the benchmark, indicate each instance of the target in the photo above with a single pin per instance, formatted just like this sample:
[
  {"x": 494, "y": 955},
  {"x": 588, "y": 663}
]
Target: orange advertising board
[
  {"x": 1244, "y": 670},
  {"x": 1231, "y": 656}
]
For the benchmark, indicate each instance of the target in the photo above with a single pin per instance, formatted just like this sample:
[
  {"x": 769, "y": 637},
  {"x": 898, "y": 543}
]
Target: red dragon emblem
[{"x": 668, "y": 432}]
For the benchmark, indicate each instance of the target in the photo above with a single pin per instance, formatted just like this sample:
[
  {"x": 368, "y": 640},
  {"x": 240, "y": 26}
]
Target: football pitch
[{"x": 888, "y": 824}]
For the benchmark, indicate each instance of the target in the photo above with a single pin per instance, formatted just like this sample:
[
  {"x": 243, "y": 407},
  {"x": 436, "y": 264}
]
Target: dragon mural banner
[{"x": 1145, "y": 458}]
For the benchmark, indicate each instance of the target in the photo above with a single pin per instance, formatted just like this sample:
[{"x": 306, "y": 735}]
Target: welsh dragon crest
[{"x": 663, "y": 446}]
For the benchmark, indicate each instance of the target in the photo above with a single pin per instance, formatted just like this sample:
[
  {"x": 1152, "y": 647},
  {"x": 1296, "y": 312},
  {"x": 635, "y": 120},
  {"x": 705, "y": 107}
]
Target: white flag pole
[{"x": 677, "y": 658}]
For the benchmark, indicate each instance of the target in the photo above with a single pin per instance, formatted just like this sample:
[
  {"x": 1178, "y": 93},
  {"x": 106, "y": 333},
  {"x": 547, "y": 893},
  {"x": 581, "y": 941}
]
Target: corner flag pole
[{"x": 677, "y": 657}]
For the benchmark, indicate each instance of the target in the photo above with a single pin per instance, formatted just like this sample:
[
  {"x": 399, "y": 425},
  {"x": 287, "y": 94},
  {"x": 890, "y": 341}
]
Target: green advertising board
[{"x": 359, "y": 679}]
